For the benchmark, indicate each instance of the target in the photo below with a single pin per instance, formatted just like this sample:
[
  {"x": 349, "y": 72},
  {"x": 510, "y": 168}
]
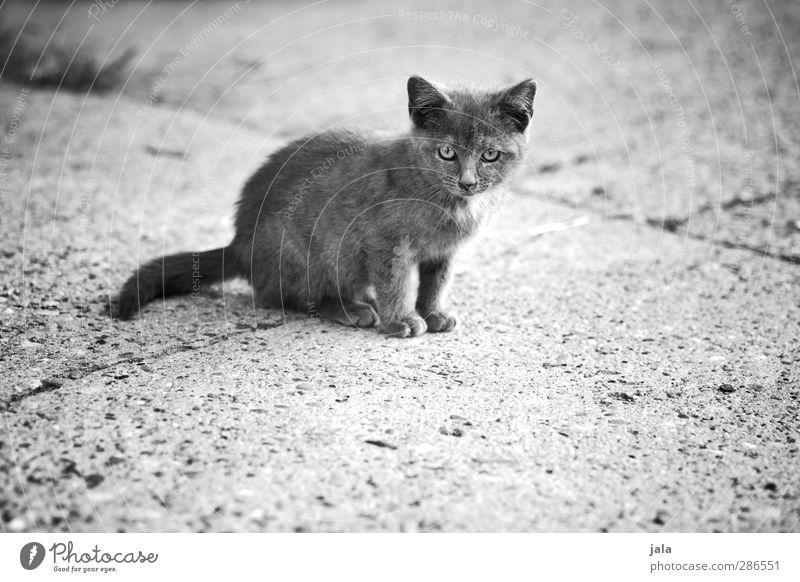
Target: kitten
[{"x": 334, "y": 223}]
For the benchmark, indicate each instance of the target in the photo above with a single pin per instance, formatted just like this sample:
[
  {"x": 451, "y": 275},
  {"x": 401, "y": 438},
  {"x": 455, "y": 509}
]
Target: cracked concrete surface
[{"x": 636, "y": 372}]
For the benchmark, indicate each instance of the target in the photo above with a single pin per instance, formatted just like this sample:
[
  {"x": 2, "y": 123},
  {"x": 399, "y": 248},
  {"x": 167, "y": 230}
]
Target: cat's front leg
[
  {"x": 390, "y": 273},
  {"x": 433, "y": 278}
]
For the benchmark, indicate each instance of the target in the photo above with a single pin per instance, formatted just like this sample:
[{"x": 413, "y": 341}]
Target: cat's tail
[{"x": 179, "y": 274}]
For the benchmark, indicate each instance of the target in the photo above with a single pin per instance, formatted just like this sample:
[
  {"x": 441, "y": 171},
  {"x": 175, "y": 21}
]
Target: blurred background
[{"x": 677, "y": 115}]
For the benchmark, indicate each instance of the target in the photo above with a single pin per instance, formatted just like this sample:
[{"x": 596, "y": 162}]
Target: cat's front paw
[
  {"x": 440, "y": 321},
  {"x": 411, "y": 325}
]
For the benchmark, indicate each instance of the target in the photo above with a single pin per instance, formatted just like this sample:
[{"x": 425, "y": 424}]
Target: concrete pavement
[{"x": 624, "y": 374}]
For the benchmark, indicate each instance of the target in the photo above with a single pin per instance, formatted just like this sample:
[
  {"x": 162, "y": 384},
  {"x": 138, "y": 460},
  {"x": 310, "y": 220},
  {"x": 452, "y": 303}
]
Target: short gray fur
[{"x": 335, "y": 223}]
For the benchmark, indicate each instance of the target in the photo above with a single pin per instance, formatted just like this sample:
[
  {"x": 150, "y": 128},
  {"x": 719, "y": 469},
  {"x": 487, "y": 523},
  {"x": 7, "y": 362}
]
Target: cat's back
[
  {"x": 290, "y": 171},
  {"x": 330, "y": 159},
  {"x": 317, "y": 157},
  {"x": 322, "y": 152}
]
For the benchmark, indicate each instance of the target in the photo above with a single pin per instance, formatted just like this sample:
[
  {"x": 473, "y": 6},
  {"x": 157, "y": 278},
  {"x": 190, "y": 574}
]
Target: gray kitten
[{"x": 335, "y": 223}]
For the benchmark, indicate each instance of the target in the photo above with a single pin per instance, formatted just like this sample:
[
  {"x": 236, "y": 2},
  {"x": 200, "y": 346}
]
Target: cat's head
[{"x": 471, "y": 140}]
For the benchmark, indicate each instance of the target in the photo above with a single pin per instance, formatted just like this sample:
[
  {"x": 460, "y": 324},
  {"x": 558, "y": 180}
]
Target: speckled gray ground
[{"x": 637, "y": 372}]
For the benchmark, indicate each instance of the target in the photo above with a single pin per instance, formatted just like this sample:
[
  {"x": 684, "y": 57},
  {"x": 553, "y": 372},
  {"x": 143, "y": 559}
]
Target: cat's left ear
[
  {"x": 517, "y": 103},
  {"x": 425, "y": 100}
]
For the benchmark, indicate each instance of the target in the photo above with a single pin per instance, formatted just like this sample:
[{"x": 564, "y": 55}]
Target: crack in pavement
[
  {"x": 673, "y": 224},
  {"x": 57, "y": 380}
]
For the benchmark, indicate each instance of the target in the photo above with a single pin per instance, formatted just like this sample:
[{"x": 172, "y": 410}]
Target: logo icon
[{"x": 31, "y": 555}]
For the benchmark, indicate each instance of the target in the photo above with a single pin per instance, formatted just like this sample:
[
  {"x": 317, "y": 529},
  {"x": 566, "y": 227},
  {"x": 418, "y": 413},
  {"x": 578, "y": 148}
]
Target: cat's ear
[
  {"x": 517, "y": 103},
  {"x": 425, "y": 100}
]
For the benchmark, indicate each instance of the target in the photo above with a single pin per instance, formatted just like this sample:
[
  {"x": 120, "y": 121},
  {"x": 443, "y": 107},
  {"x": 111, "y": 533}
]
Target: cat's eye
[
  {"x": 490, "y": 155},
  {"x": 447, "y": 153}
]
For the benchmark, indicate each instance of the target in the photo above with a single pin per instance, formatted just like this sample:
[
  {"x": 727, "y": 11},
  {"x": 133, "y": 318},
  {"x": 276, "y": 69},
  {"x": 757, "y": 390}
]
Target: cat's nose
[{"x": 467, "y": 183}]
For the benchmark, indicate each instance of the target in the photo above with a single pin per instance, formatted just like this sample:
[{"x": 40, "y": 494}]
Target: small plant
[{"x": 24, "y": 61}]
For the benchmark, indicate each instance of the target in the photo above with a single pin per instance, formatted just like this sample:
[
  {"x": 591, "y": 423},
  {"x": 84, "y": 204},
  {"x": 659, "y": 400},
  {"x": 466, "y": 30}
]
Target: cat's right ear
[
  {"x": 516, "y": 104},
  {"x": 425, "y": 100}
]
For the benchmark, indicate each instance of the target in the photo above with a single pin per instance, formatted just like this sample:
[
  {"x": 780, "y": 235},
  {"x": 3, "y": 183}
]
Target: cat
[{"x": 335, "y": 223}]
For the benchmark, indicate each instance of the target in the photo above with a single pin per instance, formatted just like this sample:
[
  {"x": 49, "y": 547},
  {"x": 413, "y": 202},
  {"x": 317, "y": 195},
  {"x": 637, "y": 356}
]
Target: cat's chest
[
  {"x": 468, "y": 217},
  {"x": 453, "y": 226}
]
